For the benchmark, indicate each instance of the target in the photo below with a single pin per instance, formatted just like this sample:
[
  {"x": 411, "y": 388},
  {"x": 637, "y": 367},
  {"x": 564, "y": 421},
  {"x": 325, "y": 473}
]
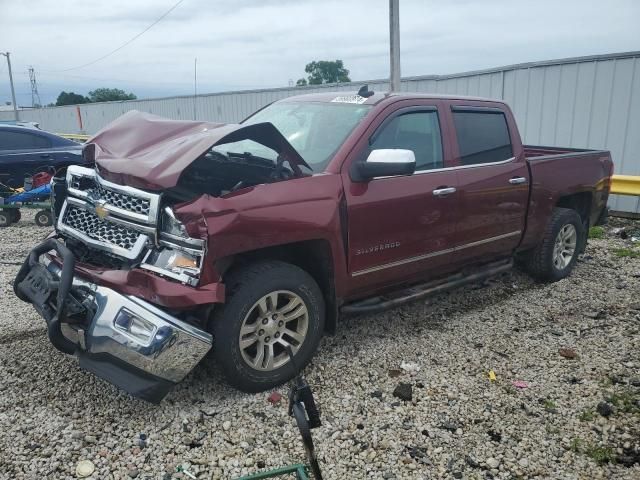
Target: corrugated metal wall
[{"x": 585, "y": 102}]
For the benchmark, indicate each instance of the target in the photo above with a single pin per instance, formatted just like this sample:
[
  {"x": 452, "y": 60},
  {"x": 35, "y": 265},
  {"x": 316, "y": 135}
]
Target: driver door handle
[
  {"x": 444, "y": 191},
  {"x": 517, "y": 180}
]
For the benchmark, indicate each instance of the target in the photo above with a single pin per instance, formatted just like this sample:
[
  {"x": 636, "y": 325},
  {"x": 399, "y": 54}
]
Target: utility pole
[
  {"x": 394, "y": 44},
  {"x": 13, "y": 91}
]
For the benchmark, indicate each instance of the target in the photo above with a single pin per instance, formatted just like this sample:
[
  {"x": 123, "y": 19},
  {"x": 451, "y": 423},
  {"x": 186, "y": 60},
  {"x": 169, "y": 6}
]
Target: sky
[{"x": 246, "y": 44}]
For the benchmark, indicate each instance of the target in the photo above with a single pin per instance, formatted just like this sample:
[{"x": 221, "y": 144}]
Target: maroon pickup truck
[{"x": 248, "y": 241}]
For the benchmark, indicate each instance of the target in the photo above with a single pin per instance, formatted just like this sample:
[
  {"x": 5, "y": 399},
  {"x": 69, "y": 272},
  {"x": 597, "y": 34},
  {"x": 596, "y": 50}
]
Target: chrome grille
[
  {"x": 89, "y": 224},
  {"x": 123, "y": 201}
]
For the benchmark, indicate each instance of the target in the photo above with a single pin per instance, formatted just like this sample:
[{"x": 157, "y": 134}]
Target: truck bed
[
  {"x": 558, "y": 172},
  {"x": 535, "y": 151}
]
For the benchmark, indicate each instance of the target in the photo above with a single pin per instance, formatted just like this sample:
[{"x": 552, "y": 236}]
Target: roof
[{"x": 377, "y": 97}]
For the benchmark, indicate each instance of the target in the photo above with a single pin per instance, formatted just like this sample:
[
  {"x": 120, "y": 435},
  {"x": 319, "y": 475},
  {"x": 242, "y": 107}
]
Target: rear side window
[
  {"x": 416, "y": 131},
  {"x": 10, "y": 140},
  {"x": 483, "y": 137}
]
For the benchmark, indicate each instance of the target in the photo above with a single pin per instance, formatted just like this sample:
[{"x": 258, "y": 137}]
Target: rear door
[
  {"x": 22, "y": 153},
  {"x": 493, "y": 182},
  {"x": 398, "y": 229}
]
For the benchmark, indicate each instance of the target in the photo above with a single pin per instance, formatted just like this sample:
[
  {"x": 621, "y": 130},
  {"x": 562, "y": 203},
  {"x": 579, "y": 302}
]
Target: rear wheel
[
  {"x": 271, "y": 306},
  {"x": 44, "y": 218},
  {"x": 5, "y": 218},
  {"x": 557, "y": 253}
]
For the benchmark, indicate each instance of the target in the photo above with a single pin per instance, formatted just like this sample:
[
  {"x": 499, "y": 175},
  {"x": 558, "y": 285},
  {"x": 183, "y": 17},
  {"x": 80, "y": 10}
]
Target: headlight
[
  {"x": 175, "y": 261},
  {"x": 171, "y": 225},
  {"x": 177, "y": 255}
]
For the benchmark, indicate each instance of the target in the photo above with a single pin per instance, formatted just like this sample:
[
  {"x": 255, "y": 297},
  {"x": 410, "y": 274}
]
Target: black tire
[
  {"x": 5, "y": 218},
  {"x": 16, "y": 215},
  {"x": 539, "y": 262},
  {"x": 245, "y": 286},
  {"x": 44, "y": 218}
]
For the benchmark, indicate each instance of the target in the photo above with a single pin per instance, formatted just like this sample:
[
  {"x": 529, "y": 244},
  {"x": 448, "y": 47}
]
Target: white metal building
[{"x": 583, "y": 102}]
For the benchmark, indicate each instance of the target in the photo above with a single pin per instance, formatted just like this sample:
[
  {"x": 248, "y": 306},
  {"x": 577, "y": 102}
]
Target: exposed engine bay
[{"x": 218, "y": 174}]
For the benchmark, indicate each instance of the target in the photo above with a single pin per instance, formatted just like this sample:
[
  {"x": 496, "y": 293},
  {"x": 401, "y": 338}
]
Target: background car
[{"x": 25, "y": 151}]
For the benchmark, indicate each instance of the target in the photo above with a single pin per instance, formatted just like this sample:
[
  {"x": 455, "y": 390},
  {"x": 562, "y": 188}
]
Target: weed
[
  {"x": 625, "y": 402},
  {"x": 626, "y": 253},
  {"x": 576, "y": 445},
  {"x": 587, "y": 415},
  {"x": 596, "y": 232},
  {"x": 549, "y": 404},
  {"x": 601, "y": 455}
]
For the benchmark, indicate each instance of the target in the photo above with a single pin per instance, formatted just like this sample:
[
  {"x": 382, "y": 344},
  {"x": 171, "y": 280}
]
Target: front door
[{"x": 400, "y": 228}]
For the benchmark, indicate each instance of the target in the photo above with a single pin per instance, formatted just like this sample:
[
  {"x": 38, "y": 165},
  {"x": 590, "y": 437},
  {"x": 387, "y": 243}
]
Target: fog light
[{"x": 135, "y": 326}]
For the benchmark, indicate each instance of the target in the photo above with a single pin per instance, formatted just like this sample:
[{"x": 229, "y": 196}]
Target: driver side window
[{"x": 416, "y": 131}]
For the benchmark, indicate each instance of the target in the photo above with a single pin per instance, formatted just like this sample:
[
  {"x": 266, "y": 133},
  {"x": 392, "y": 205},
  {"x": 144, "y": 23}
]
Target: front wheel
[
  {"x": 554, "y": 258},
  {"x": 271, "y": 307}
]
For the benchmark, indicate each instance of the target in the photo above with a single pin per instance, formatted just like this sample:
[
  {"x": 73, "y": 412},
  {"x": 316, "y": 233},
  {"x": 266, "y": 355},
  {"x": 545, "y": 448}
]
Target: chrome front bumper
[{"x": 146, "y": 360}]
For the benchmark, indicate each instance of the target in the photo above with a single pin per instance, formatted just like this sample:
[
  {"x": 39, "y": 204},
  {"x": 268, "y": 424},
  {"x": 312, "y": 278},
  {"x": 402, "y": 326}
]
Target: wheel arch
[
  {"x": 580, "y": 202},
  {"x": 313, "y": 256}
]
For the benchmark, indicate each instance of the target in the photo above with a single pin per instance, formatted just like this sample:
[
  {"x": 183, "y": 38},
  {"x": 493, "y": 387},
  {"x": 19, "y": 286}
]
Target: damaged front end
[
  {"x": 125, "y": 284},
  {"x": 123, "y": 339}
]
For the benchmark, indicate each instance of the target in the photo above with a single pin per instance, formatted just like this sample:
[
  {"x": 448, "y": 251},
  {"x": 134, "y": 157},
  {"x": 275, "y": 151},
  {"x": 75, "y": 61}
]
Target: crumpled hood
[{"x": 147, "y": 151}]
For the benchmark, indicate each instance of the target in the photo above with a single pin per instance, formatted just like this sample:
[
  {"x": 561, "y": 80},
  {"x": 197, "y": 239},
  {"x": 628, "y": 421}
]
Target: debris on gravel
[
  {"x": 404, "y": 391},
  {"x": 55, "y": 416}
]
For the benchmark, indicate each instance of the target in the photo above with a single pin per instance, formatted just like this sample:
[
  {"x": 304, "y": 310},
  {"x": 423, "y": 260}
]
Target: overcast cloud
[{"x": 255, "y": 44}]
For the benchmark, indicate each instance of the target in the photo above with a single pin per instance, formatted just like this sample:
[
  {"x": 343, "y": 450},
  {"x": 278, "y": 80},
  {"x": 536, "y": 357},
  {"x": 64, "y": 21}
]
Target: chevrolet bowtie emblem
[{"x": 101, "y": 211}]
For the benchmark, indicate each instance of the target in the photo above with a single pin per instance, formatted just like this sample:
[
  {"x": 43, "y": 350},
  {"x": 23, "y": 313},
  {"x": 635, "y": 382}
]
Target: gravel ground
[{"x": 578, "y": 417}]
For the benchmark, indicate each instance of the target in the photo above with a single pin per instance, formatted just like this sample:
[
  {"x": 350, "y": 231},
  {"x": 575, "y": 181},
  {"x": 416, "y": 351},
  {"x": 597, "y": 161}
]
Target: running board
[{"x": 416, "y": 292}]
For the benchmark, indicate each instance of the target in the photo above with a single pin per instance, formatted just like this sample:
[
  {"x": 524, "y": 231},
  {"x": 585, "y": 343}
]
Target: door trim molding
[{"x": 418, "y": 258}]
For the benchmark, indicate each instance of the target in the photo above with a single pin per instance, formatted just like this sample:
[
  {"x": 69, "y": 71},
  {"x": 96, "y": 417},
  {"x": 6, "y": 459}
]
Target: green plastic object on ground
[{"x": 299, "y": 472}]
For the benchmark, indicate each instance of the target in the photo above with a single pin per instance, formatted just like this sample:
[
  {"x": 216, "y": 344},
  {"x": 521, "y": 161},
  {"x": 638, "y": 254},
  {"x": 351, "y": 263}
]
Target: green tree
[
  {"x": 70, "y": 98},
  {"x": 109, "y": 95},
  {"x": 325, "y": 71}
]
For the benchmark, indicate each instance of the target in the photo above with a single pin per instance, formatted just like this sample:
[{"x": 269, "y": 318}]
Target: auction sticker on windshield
[{"x": 350, "y": 99}]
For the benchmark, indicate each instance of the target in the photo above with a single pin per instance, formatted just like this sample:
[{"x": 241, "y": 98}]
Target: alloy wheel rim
[
  {"x": 276, "y": 321},
  {"x": 565, "y": 246}
]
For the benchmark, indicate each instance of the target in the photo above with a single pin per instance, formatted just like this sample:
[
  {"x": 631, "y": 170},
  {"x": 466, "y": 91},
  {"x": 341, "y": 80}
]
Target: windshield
[{"x": 315, "y": 130}]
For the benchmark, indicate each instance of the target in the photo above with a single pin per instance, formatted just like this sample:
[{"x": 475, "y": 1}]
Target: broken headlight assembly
[
  {"x": 178, "y": 256},
  {"x": 170, "y": 225}
]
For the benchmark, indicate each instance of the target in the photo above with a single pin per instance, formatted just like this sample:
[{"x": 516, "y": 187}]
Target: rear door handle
[
  {"x": 443, "y": 192},
  {"x": 517, "y": 180},
  {"x": 45, "y": 155}
]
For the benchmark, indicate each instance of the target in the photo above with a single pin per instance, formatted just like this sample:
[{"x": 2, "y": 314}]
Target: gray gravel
[{"x": 457, "y": 424}]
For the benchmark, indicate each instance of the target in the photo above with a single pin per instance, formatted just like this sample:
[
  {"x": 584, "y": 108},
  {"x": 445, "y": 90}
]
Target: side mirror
[{"x": 386, "y": 162}]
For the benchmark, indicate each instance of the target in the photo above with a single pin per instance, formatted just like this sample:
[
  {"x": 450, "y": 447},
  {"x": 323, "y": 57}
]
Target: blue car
[{"x": 26, "y": 150}]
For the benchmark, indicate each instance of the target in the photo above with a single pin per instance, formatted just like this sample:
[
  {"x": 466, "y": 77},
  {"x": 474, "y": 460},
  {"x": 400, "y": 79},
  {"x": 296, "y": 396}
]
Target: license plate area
[{"x": 39, "y": 285}]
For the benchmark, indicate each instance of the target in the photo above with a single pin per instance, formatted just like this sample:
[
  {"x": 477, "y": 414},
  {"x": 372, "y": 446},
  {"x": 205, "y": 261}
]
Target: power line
[
  {"x": 127, "y": 42},
  {"x": 109, "y": 79}
]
